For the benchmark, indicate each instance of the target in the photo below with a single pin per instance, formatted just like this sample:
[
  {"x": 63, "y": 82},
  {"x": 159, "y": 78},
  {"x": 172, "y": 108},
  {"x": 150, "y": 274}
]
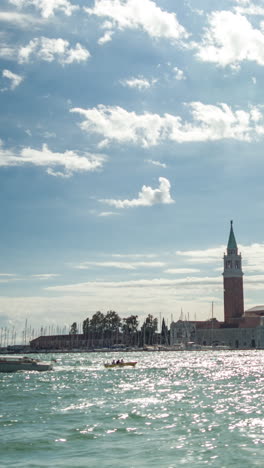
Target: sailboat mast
[{"x": 212, "y": 323}]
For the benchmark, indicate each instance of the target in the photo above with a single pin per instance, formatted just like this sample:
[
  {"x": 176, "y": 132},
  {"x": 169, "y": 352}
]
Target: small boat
[
  {"x": 120, "y": 364},
  {"x": 14, "y": 364}
]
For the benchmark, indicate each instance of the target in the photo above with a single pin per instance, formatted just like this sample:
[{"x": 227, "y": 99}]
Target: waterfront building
[
  {"x": 72, "y": 342},
  {"x": 240, "y": 329}
]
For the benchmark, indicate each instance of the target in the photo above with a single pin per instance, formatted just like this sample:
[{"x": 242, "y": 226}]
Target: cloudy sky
[{"x": 131, "y": 134}]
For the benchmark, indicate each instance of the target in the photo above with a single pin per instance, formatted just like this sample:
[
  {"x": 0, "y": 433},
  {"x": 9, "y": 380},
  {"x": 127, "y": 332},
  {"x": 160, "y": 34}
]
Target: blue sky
[{"x": 131, "y": 134}]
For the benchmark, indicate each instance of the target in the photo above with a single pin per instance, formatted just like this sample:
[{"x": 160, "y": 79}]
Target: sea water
[{"x": 174, "y": 409}]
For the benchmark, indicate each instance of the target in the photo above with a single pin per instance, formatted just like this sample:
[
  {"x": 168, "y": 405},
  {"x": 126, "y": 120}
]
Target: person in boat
[
  {"x": 113, "y": 362},
  {"x": 122, "y": 361},
  {"x": 118, "y": 362}
]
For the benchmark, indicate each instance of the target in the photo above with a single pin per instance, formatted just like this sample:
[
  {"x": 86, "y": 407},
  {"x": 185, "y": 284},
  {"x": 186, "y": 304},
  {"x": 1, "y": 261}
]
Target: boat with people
[
  {"x": 120, "y": 363},
  {"x": 25, "y": 363}
]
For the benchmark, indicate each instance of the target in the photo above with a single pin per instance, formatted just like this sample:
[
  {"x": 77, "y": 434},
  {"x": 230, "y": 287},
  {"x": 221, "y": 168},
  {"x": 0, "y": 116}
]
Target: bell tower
[{"x": 233, "y": 282}]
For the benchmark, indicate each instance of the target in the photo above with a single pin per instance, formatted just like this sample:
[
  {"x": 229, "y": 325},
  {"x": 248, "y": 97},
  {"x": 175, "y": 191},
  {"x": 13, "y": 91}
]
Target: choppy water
[{"x": 190, "y": 409}]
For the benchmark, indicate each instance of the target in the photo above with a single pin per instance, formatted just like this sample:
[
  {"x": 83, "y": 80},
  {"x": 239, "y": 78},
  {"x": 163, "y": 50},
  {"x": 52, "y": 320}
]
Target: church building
[{"x": 240, "y": 329}]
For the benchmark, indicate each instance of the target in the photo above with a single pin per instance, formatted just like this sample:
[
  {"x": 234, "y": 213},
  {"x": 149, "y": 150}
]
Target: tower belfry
[{"x": 233, "y": 281}]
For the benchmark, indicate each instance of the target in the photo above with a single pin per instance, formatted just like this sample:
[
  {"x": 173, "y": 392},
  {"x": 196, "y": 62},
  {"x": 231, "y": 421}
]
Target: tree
[
  {"x": 73, "y": 329},
  {"x": 148, "y": 329},
  {"x": 164, "y": 333},
  {"x": 130, "y": 329},
  {"x": 112, "y": 323},
  {"x": 86, "y": 326},
  {"x": 97, "y": 324}
]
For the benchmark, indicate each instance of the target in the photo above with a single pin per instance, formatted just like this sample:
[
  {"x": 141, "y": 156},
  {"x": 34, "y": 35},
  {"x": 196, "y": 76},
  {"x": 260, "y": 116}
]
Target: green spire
[{"x": 232, "y": 240}]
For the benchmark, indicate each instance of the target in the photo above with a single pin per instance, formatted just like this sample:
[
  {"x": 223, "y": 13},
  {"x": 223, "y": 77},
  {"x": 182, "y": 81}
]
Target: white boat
[{"x": 14, "y": 364}]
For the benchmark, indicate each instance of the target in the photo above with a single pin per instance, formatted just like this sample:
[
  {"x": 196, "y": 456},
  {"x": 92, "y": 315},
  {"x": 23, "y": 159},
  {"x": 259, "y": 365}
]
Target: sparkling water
[{"x": 174, "y": 409}]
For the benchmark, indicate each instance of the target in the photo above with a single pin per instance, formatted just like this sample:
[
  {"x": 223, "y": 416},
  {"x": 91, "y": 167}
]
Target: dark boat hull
[
  {"x": 15, "y": 366},
  {"x": 120, "y": 364}
]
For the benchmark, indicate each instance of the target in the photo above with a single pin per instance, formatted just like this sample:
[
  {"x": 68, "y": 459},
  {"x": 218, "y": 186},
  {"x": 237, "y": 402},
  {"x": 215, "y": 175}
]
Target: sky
[{"x": 131, "y": 133}]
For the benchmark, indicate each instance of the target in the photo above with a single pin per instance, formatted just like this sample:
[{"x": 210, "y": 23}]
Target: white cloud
[
  {"x": 49, "y": 135},
  {"x": 13, "y": 77},
  {"x": 7, "y": 52},
  {"x": 48, "y": 50},
  {"x": 156, "y": 163},
  {"x": 7, "y": 274},
  {"x": 107, "y": 37},
  {"x": 47, "y": 7},
  {"x": 8, "y": 277},
  {"x": 139, "y": 14},
  {"x": 247, "y": 7},
  {"x": 230, "y": 39},
  {"x": 211, "y": 255},
  {"x": 140, "y": 83},
  {"x": 7, "y": 280},
  {"x": 189, "y": 281},
  {"x": 108, "y": 213},
  {"x": 151, "y": 295},
  {"x": 19, "y": 19},
  {"x": 115, "y": 123},
  {"x": 121, "y": 265},
  {"x": 252, "y": 257},
  {"x": 181, "y": 271},
  {"x": 70, "y": 161},
  {"x": 44, "y": 276},
  {"x": 179, "y": 74},
  {"x": 254, "y": 279},
  {"x": 133, "y": 255},
  {"x": 53, "y": 173},
  {"x": 253, "y": 268},
  {"x": 147, "y": 197},
  {"x": 208, "y": 123}
]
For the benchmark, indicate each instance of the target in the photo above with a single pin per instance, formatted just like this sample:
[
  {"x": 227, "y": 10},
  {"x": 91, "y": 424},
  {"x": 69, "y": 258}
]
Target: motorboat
[
  {"x": 120, "y": 364},
  {"x": 25, "y": 363}
]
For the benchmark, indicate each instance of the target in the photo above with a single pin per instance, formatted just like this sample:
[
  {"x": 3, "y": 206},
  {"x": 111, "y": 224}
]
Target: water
[{"x": 175, "y": 409}]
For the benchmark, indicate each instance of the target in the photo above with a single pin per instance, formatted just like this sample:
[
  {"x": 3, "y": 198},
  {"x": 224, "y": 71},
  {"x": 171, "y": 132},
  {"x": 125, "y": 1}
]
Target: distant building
[
  {"x": 240, "y": 329},
  {"x": 71, "y": 342},
  {"x": 182, "y": 332},
  {"x": 257, "y": 311}
]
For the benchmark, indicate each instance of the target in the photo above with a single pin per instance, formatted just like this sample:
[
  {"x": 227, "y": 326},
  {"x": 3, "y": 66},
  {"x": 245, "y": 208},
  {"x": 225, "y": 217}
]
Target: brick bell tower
[{"x": 233, "y": 282}]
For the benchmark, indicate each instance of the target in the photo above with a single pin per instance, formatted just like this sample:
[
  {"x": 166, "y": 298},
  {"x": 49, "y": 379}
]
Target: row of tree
[{"x": 111, "y": 329}]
